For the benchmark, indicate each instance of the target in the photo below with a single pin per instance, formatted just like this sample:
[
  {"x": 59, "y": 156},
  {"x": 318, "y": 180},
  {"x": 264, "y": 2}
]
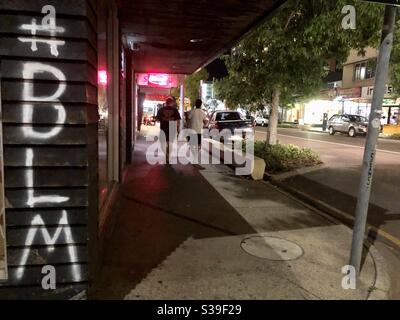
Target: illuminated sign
[
  {"x": 157, "y": 97},
  {"x": 103, "y": 77},
  {"x": 160, "y": 80}
]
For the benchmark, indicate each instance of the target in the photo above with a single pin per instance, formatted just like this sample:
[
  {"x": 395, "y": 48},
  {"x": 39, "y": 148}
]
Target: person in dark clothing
[{"x": 165, "y": 116}]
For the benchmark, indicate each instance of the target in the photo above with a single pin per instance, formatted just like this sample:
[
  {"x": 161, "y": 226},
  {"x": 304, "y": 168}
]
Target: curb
[
  {"x": 382, "y": 286},
  {"x": 381, "y": 290},
  {"x": 293, "y": 173}
]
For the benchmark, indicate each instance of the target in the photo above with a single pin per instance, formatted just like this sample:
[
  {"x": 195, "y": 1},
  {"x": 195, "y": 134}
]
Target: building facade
[
  {"x": 207, "y": 90},
  {"x": 71, "y": 109},
  {"x": 359, "y": 74},
  {"x": 348, "y": 90}
]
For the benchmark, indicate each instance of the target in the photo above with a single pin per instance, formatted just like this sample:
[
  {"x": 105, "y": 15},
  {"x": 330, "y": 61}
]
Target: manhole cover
[{"x": 272, "y": 248}]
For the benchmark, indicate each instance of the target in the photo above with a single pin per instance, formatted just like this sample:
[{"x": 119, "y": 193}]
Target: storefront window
[
  {"x": 103, "y": 79},
  {"x": 395, "y": 116}
]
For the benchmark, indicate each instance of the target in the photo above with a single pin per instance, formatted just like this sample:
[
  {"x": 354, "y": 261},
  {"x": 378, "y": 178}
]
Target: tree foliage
[
  {"x": 395, "y": 58},
  {"x": 284, "y": 60},
  {"x": 192, "y": 85}
]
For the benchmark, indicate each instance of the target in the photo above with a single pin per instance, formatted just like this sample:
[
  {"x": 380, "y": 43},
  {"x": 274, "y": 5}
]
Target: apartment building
[
  {"x": 349, "y": 90},
  {"x": 359, "y": 78}
]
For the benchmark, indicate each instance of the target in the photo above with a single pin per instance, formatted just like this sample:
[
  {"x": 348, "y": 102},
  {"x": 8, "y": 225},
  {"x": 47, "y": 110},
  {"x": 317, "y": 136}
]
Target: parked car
[
  {"x": 261, "y": 121},
  {"x": 230, "y": 120},
  {"x": 353, "y": 125},
  {"x": 251, "y": 119}
]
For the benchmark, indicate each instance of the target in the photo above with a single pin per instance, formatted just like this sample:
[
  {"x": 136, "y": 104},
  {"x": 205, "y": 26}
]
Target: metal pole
[{"x": 372, "y": 137}]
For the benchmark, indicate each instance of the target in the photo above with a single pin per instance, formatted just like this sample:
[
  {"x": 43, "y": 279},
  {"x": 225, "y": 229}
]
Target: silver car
[{"x": 353, "y": 125}]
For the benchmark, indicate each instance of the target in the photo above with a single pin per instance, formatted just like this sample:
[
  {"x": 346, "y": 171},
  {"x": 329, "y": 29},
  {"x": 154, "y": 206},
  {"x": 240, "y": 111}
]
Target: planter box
[
  {"x": 258, "y": 163},
  {"x": 391, "y": 129}
]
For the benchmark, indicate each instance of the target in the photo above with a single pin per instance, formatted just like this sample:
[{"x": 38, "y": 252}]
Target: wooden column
[
  {"x": 129, "y": 106},
  {"x": 49, "y": 102}
]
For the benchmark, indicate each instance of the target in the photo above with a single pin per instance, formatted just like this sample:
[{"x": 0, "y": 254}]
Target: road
[{"x": 337, "y": 184}]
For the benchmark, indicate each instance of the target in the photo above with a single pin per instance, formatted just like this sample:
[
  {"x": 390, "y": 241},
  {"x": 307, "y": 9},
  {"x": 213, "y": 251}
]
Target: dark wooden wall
[
  {"x": 129, "y": 106},
  {"x": 49, "y": 178}
]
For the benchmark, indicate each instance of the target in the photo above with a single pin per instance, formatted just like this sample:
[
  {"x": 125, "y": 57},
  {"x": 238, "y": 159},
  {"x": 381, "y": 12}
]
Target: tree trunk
[{"x": 273, "y": 117}]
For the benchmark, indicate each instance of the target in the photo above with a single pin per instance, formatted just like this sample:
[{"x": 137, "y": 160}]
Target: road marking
[
  {"x": 335, "y": 143},
  {"x": 381, "y": 232},
  {"x": 335, "y": 214}
]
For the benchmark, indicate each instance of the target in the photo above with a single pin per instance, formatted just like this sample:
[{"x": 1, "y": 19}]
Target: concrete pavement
[
  {"x": 337, "y": 183},
  {"x": 335, "y": 186},
  {"x": 185, "y": 233}
]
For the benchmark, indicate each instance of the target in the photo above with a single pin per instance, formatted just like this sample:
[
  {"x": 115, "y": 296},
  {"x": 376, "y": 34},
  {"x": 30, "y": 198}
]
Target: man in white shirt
[{"x": 197, "y": 120}]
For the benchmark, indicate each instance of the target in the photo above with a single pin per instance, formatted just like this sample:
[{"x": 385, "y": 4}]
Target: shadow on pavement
[
  {"x": 377, "y": 216},
  {"x": 157, "y": 210}
]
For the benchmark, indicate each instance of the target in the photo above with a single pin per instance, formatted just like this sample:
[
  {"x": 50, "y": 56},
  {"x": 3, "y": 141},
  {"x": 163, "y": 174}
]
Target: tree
[
  {"x": 284, "y": 59},
  {"x": 192, "y": 85},
  {"x": 395, "y": 59}
]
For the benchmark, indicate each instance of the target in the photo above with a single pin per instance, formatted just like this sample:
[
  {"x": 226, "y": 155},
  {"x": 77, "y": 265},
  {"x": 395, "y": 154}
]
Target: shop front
[{"x": 390, "y": 108}]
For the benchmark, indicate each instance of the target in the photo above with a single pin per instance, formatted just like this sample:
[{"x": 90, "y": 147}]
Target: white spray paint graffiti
[
  {"x": 29, "y": 71},
  {"x": 48, "y": 25},
  {"x": 32, "y": 200},
  {"x": 50, "y": 241}
]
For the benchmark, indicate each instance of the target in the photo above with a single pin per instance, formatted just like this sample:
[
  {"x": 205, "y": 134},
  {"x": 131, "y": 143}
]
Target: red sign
[
  {"x": 350, "y": 93},
  {"x": 157, "y": 97},
  {"x": 103, "y": 77},
  {"x": 160, "y": 80}
]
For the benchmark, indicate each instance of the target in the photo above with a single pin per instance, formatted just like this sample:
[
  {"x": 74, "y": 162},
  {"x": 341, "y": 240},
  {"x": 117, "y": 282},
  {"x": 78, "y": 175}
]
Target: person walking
[
  {"x": 197, "y": 119},
  {"x": 167, "y": 115}
]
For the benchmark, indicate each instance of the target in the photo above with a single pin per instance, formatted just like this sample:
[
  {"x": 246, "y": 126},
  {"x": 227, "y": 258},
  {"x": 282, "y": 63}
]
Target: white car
[{"x": 261, "y": 121}]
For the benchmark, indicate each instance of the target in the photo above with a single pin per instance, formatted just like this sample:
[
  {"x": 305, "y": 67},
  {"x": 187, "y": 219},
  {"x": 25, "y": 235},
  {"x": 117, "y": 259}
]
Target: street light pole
[{"x": 372, "y": 137}]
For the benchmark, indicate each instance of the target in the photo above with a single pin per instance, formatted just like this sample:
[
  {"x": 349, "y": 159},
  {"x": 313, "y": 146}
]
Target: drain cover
[{"x": 272, "y": 248}]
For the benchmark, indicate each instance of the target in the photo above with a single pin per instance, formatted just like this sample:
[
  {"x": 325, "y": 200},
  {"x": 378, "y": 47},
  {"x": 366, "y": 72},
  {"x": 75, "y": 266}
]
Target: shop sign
[
  {"x": 157, "y": 97},
  {"x": 158, "y": 80},
  {"x": 350, "y": 93},
  {"x": 367, "y": 92}
]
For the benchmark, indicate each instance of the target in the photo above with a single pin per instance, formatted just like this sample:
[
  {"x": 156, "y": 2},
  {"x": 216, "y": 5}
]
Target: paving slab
[
  {"x": 219, "y": 268},
  {"x": 185, "y": 232}
]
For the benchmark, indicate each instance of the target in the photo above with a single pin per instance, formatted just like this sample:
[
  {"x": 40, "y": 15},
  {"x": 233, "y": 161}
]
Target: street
[{"x": 337, "y": 184}]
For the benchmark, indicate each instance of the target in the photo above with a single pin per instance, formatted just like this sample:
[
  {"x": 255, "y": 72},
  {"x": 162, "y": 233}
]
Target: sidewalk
[{"x": 181, "y": 233}]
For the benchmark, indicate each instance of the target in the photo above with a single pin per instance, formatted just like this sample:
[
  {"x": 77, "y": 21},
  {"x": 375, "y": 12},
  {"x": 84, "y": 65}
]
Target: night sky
[{"x": 217, "y": 69}]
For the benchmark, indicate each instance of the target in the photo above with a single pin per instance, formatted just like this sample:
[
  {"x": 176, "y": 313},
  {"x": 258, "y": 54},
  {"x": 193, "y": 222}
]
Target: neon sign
[
  {"x": 162, "y": 80},
  {"x": 103, "y": 77}
]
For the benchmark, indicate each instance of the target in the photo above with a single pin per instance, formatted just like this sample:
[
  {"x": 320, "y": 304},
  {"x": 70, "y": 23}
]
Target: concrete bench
[{"x": 258, "y": 163}]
